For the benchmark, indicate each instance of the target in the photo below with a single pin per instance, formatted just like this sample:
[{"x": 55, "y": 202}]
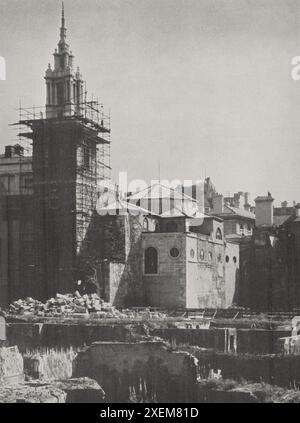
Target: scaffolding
[{"x": 93, "y": 167}]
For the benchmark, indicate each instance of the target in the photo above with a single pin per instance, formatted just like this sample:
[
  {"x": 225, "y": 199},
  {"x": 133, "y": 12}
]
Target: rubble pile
[{"x": 64, "y": 305}]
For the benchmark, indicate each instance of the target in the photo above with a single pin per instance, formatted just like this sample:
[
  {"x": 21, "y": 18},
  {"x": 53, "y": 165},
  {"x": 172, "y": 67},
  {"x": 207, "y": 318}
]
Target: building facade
[
  {"x": 170, "y": 259},
  {"x": 16, "y": 224}
]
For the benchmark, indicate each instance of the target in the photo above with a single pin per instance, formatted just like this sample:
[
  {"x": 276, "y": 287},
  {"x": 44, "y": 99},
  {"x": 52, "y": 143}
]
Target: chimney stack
[
  {"x": 218, "y": 204},
  {"x": 247, "y": 201},
  {"x": 13, "y": 150},
  {"x": 264, "y": 210}
]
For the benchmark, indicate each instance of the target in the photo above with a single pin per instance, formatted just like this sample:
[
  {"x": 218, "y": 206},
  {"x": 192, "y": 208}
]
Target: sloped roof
[
  {"x": 181, "y": 211},
  {"x": 239, "y": 212},
  {"x": 280, "y": 220},
  {"x": 157, "y": 191},
  {"x": 121, "y": 207}
]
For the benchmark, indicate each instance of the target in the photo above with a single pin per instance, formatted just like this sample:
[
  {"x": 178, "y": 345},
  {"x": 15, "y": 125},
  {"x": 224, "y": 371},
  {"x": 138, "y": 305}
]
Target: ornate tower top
[{"x": 64, "y": 83}]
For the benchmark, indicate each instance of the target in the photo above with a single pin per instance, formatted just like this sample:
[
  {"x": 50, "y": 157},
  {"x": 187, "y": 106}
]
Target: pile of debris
[{"x": 64, "y": 305}]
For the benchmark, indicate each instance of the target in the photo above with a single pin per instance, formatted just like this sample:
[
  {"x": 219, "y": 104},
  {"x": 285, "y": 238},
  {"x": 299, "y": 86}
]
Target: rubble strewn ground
[
  {"x": 60, "y": 391},
  {"x": 63, "y": 305}
]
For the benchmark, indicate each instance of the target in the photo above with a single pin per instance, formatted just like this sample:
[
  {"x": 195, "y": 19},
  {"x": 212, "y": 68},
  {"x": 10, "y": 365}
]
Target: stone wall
[
  {"x": 113, "y": 247},
  {"x": 31, "y": 336},
  {"x": 145, "y": 371},
  {"x": 218, "y": 339},
  {"x": 11, "y": 365},
  {"x": 211, "y": 279},
  {"x": 168, "y": 287}
]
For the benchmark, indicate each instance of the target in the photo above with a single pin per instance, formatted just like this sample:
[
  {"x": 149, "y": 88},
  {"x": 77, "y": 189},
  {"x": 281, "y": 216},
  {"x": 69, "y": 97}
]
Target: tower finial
[
  {"x": 62, "y": 15},
  {"x": 63, "y": 28}
]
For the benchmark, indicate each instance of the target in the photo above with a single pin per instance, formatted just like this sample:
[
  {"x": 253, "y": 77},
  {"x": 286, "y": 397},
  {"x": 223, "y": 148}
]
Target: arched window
[
  {"x": 171, "y": 227},
  {"x": 151, "y": 261},
  {"x": 219, "y": 234}
]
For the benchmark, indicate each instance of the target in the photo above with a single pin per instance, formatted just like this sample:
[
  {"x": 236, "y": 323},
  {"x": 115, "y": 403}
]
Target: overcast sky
[{"x": 204, "y": 86}]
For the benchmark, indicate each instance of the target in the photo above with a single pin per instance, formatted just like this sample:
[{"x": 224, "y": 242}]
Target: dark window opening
[
  {"x": 151, "y": 261},
  {"x": 171, "y": 227},
  {"x": 219, "y": 234},
  {"x": 202, "y": 254},
  {"x": 174, "y": 252},
  {"x": 60, "y": 93},
  {"x": 227, "y": 259},
  {"x": 86, "y": 155}
]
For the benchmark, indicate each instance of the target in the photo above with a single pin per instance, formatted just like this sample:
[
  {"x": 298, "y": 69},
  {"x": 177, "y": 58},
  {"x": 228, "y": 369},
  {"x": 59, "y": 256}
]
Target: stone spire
[{"x": 63, "y": 30}]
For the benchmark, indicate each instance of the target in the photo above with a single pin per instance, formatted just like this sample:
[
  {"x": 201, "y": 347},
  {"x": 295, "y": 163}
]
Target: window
[
  {"x": 28, "y": 182},
  {"x": 241, "y": 227},
  {"x": 249, "y": 228},
  {"x": 192, "y": 253},
  {"x": 210, "y": 256},
  {"x": 227, "y": 259},
  {"x": 202, "y": 255},
  {"x": 234, "y": 259},
  {"x": 146, "y": 224},
  {"x": 86, "y": 155},
  {"x": 60, "y": 93},
  {"x": 174, "y": 252},
  {"x": 220, "y": 258},
  {"x": 219, "y": 234},
  {"x": 151, "y": 261},
  {"x": 171, "y": 227}
]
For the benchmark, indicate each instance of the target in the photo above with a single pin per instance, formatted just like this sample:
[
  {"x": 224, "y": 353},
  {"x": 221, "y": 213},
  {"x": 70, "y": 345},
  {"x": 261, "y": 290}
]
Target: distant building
[
  {"x": 238, "y": 222},
  {"x": 17, "y": 263},
  {"x": 269, "y": 262},
  {"x": 284, "y": 213},
  {"x": 16, "y": 171}
]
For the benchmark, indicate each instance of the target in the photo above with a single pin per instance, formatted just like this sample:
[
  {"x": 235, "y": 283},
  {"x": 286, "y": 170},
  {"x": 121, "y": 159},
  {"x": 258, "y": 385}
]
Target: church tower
[{"x": 71, "y": 142}]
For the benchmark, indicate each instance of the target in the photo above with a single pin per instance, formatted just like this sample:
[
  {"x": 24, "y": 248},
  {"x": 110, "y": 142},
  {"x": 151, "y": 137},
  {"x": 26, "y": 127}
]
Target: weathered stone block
[{"x": 11, "y": 365}]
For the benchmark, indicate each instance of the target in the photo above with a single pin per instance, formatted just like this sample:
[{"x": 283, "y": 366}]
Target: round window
[
  {"x": 174, "y": 252},
  {"x": 234, "y": 259},
  {"x": 201, "y": 254},
  {"x": 227, "y": 259},
  {"x": 192, "y": 253}
]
